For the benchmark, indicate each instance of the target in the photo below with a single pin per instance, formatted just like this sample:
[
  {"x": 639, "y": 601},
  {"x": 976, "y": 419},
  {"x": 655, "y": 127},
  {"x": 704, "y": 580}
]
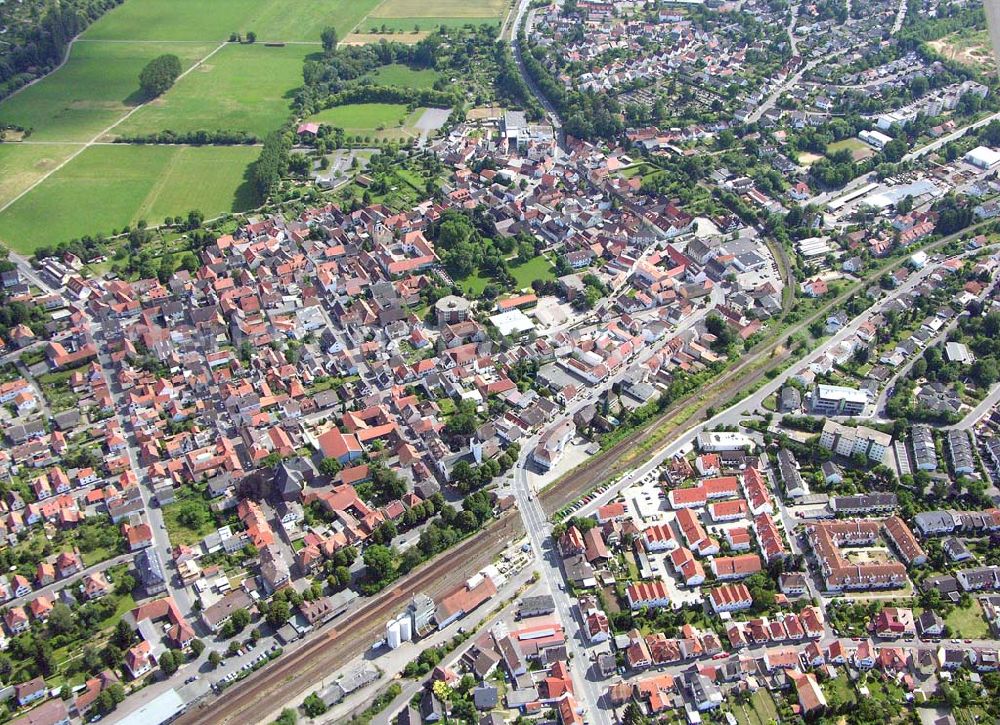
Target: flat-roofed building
[{"x": 838, "y": 400}]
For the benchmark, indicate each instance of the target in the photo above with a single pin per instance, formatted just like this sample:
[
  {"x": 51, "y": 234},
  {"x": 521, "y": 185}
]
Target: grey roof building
[
  {"x": 149, "y": 571},
  {"x": 924, "y": 451}
]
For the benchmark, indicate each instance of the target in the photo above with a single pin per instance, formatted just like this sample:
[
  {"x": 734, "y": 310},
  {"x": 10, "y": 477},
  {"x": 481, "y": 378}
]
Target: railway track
[
  {"x": 609, "y": 463},
  {"x": 270, "y": 687}
]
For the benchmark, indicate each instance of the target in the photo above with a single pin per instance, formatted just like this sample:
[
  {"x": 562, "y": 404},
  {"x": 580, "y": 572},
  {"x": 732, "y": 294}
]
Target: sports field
[
  {"x": 96, "y": 87},
  {"x": 242, "y": 87},
  {"x": 107, "y": 187}
]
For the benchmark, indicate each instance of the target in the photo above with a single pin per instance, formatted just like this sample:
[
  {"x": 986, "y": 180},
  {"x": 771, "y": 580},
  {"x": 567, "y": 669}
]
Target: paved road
[
  {"x": 50, "y": 590},
  {"x": 481, "y": 622},
  {"x": 550, "y": 110},
  {"x": 789, "y": 82},
  {"x": 974, "y": 415},
  {"x": 536, "y": 523},
  {"x": 900, "y": 17},
  {"x": 957, "y": 133}
]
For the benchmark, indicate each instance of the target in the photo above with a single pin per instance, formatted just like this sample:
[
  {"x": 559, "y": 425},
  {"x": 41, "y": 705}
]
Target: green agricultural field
[
  {"x": 404, "y": 26},
  {"x": 108, "y": 187},
  {"x": 24, "y": 164},
  {"x": 405, "y": 15},
  {"x": 271, "y": 20},
  {"x": 398, "y": 74},
  {"x": 242, "y": 87},
  {"x": 96, "y": 87},
  {"x": 439, "y": 9},
  {"x": 366, "y": 118}
]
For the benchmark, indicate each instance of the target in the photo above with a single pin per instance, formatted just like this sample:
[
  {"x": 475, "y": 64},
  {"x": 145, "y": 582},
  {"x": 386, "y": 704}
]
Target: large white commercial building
[{"x": 838, "y": 400}]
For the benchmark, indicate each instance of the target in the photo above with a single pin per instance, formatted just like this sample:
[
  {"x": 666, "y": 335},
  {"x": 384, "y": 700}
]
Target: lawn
[
  {"x": 760, "y": 711},
  {"x": 407, "y": 37},
  {"x": 839, "y": 690},
  {"x": 474, "y": 284},
  {"x": 24, "y": 164},
  {"x": 405, "y": 25},
  {"x": 852, "y": 144},
  {"x": 538, "y": 268},
  {"x": 271, "y": 20},
  {"x": 242, "y": 87},
  {"x": 357, "y": 118},
  {"x": 95, "y": 88},
  {"x": 118, "y": 185},
  {"x": 523, "y": 274},
  {"x": 398, "y": 74},
  {"x": 637, "y": 170},
  {"x": 968, "y": 623},
  {"x": 177, "y": 517},
  {"x": 764, "y": 706}
]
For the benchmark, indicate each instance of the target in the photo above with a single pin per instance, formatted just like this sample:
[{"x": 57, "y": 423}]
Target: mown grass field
[
  {"x": 366, "y": 118},
  {"x": 523, "y": 274},
  {"x": 108, "y": 187},
  {"x": 439, "y": 9},
  {"x": 409, "y": 37},
  {"x": 403, "y": 26},
  {"x": 398, "y": 74},
  {"x": 23, "y": 164},
  {"x": 405, "y": 15},
  {"x": 271, "y": 20},
  {"x": 96, "y": 87},
  {"x": 968, "y": 623},
  {"x": 539, "y": 268},
  {"x": 242, "y": 87}
]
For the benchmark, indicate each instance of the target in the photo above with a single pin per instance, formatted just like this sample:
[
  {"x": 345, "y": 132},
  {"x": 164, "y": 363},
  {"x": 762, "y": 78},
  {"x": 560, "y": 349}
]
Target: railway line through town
[{"x": 351, "y": 634}]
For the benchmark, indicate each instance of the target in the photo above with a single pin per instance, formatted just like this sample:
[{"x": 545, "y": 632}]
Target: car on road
[{"x": 192, "y": 678}]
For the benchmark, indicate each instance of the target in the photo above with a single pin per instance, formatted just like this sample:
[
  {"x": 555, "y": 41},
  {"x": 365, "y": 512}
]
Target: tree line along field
[{"x": 95, "y": 98}]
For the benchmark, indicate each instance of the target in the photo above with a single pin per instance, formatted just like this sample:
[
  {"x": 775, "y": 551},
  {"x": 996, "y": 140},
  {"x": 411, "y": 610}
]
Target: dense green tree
[
  {"x": 329, "y": 39},
  {"x": 159, "y": 74}
]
